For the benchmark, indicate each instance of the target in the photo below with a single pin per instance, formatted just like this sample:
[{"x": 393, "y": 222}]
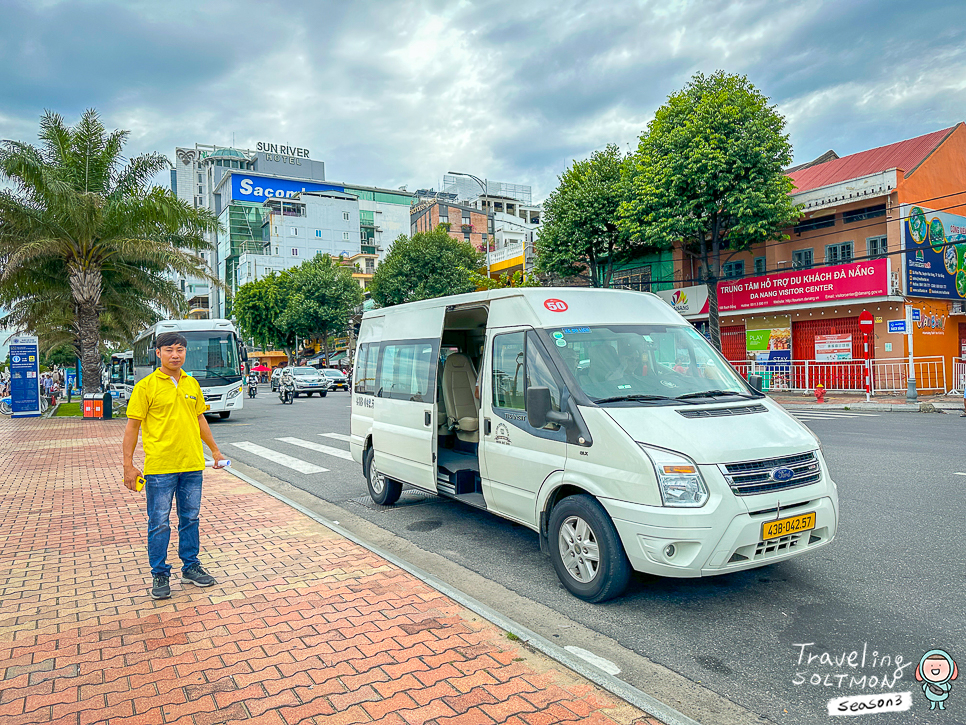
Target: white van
[{"x": 601, "y": 419}]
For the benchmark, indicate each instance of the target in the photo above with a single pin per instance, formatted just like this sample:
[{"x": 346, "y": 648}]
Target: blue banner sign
[
  {"x": 24, "y": 377},
  {"x": 251, "y": 187},
  {"x": 897, "y": 325},
  {"x": 935, "y": 244}
]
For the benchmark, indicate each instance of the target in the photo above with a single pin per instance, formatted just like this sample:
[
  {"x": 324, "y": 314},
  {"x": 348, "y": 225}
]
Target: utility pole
[{"x": 484, "y": 186}]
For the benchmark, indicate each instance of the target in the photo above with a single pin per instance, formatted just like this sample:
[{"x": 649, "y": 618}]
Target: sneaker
[
  {"x": 160, "y": 589},
  {"x": 198, "y": 576}
]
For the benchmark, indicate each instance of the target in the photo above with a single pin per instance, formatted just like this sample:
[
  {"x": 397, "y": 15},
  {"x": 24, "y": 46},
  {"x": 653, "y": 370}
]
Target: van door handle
[
  {"x": 486, "y": 426},
  {"x": 427, "y": 418}
]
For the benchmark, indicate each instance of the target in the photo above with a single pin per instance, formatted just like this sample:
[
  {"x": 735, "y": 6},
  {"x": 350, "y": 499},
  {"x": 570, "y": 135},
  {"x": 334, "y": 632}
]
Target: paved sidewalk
[
  {"x": 304, "y": 626},
  {"x": 881, "y": 403}
]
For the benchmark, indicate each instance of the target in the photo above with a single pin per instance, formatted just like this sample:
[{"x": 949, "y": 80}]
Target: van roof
[{"x": 552, "y": 306}]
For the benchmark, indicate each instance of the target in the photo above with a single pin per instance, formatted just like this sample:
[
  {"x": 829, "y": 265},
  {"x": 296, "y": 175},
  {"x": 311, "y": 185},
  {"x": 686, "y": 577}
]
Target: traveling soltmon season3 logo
[{"x": 679, "y": 301}]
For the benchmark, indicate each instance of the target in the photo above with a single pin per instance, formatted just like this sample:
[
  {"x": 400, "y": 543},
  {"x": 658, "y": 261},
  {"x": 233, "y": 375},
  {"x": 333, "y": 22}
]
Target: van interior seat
[{"x": 459, "y": 397}]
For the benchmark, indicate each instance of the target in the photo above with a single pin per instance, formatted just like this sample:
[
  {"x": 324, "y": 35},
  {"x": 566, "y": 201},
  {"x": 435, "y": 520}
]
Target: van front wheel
[
  {"x": 586, "y": 551},
  {"x": 384, "y": 491}
]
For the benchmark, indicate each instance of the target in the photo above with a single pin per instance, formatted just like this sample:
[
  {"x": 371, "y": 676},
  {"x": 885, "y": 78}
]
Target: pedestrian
[
  {"x": 168, "y": 408},
  {"x": 963, "y": 414}
]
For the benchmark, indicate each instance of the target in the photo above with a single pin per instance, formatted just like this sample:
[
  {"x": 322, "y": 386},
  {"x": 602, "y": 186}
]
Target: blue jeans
[{"x": 161, "y": 488}]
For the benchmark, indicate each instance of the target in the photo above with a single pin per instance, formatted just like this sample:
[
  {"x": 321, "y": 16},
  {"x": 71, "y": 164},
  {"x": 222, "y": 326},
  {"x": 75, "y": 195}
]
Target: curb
[
  {"x": 612, "y": 684},
  {"x": 863, "y": 406}
]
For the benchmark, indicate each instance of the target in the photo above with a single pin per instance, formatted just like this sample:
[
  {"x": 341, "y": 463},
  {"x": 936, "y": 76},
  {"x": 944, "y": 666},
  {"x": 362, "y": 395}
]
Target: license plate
[
  {"x": 789, "y": 525},
  {"x": 207, "y": 407}
]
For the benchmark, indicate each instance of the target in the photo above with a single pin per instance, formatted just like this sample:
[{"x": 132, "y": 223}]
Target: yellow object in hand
[{"x": 139, "y": 486}]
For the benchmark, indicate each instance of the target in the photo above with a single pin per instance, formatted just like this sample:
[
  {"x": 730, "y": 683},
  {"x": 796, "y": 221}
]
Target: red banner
[{"x": 822, "y": 284}]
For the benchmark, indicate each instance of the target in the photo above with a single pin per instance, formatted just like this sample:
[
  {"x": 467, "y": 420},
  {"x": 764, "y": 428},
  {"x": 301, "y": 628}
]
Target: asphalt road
[{"x": 890, "y": 586}]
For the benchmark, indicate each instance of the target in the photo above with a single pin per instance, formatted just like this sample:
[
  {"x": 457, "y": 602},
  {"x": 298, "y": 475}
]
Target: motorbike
[
  {"x": 252, "y": 389},
  {"x": 286, "y": 393},
  {"x": 6, "y": 405}
]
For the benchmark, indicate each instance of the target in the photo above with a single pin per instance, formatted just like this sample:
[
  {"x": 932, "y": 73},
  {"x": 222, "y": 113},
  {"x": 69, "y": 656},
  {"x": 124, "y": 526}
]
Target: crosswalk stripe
[
  {"x": 337, "y": 436},
  {"x": 832, "y": 414},
  {"x": 313, "y": 446},
  {"x": 296, "y": 464}
]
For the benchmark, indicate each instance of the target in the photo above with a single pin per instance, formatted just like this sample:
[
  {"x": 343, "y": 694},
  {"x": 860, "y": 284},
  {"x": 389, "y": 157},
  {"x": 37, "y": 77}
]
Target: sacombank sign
[{"x": 259, "y": 188}]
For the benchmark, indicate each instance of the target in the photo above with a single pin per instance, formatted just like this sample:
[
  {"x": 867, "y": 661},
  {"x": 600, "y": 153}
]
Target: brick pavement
[{"x": 303, "y": 627}]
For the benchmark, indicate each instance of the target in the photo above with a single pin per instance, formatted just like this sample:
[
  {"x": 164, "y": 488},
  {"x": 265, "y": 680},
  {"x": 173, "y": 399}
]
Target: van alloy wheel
[
  {"x": 589, "y": 558},
  {"x": 384, "y": 491},
  {"x": 579, "y": 550}
]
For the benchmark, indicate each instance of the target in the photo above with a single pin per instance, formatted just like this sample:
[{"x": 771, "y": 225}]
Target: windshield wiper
[
  {"x": 713, "y": 394},
  {"x": 633, "y": 396}
]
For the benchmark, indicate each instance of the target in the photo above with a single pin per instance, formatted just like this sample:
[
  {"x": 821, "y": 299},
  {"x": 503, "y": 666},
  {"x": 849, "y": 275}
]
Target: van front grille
[
  {"x": 752, "y": 477},
  {"x": 722, "y": 412}
]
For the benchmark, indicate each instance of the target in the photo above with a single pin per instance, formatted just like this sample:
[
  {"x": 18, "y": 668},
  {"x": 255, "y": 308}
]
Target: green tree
[
  {"x": 258, "y": 306},
  {"x": 708, "y": 174},
  {"x": 430, "y": 264},
  {"x": 77, "y": 203},
  {"x": 322, "y": 297},
  {"x": 582, "y": 235},
  {"x": 504, "y": 281}
]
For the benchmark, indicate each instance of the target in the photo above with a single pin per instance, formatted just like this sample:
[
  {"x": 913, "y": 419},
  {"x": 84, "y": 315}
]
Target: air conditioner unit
[{"x": 957, "y": 309}]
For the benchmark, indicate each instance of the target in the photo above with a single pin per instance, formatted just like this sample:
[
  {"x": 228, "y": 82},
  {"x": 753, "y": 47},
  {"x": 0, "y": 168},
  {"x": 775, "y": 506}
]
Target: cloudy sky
[{"x": 390, "y": 93}]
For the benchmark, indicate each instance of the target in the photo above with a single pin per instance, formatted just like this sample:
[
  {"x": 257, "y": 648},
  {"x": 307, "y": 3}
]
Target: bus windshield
[
  {"x": 212, "y": 357},
  {"x": 646, "y": 364}
]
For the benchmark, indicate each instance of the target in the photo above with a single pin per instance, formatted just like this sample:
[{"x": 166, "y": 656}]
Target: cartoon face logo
[
  {"x": 936, "y": 671},
  {"x": 679, "y": 298}
]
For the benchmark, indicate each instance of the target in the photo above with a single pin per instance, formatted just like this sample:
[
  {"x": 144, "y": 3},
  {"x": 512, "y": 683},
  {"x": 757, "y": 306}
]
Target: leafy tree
[
  {"x": 582, "y": 236},
  {"x": 78, "y": 205},
  {"x": 258, "y": 306},
  {"x": 323, "y": 294},
  {"x": 708, "y": 173},
  {"x": 505, "y": 280},
  {"x": 430, "y": 264}
]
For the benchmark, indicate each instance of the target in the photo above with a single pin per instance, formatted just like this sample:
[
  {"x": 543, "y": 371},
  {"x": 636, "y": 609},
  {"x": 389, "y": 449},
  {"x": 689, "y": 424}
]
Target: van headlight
[
  {"x": 678, "y": 478},
  {"x": 234, "y": 392}
]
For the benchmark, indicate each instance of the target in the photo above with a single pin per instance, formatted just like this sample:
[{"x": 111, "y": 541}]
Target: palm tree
[{"x": 80, "y": 211}]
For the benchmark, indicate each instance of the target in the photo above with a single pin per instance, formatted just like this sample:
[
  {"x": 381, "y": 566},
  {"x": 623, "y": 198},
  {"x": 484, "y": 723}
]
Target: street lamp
[{"x": 483, "y": 186}]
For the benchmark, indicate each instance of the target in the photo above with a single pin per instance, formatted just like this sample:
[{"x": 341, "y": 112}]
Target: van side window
[
  {"x": 509, "y": 352},
  {"x": 538, "y": 371},
  {"x": 407, "y": 371},
  {"x": 360, "y": 371}
]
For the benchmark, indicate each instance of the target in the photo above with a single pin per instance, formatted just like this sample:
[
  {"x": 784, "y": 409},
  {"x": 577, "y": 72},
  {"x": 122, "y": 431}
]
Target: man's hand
[
  {"x": 216, "y": 454},
  {"x": 131, "y": 477}
]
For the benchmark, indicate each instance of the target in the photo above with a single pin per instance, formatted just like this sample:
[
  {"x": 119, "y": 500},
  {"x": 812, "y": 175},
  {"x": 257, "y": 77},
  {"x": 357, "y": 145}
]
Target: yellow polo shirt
[{"x": 169, "y": 414}]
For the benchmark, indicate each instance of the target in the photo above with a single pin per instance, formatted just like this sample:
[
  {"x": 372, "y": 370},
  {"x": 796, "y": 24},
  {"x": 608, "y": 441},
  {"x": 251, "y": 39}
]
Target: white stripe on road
[
  {"x": 959, "y": 474},
  {"x": 337, "y": 436},
  {"x": 295, "y": 464},
  {"x": 318, "y": 447}
]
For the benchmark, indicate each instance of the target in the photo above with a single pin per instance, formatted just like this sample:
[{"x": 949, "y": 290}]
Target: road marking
[
  {"x": 959, "y": 474},
  {"x": 296, "y": 464},
  {"x": 318, "y": 447},
  {"x": 337, "y": 436},
  {"x": 606, "y": 665},
  {"x": 829, "y": 414}
]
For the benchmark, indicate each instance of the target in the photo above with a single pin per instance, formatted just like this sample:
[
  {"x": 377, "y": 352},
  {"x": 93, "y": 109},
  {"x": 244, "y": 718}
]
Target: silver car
[
  {"x": 337, "y": 379},
  {"x": 308, "y": 381}
]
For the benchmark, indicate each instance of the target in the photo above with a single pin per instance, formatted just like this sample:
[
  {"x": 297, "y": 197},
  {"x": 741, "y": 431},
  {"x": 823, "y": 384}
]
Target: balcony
[{"x": 505, "y": 254}]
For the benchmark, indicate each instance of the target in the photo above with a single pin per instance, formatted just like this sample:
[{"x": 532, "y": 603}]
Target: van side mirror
[{"x": 540, "y": 410}]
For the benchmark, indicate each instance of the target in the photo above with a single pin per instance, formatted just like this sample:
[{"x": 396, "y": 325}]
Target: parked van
[{"x": 601, "y": 419}]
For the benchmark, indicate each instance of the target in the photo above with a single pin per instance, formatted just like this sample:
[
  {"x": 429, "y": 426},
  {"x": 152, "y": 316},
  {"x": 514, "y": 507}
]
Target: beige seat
[{"x": 459, "y": 397}]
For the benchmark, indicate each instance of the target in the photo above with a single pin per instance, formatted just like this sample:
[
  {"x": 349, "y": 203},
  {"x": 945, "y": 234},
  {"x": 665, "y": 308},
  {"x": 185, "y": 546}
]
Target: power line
[{"x": 831, "y": 233}]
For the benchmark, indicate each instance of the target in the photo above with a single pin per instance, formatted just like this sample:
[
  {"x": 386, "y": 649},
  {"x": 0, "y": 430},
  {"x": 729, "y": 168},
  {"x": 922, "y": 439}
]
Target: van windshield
[{"x": 646, "y": 364}]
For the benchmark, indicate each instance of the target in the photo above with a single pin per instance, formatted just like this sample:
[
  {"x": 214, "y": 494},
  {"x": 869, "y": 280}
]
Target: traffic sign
[
  {"x": 915, "y": 315},
  {"x": 866, "y": 319},
  {"x": 897, "y": 325}
]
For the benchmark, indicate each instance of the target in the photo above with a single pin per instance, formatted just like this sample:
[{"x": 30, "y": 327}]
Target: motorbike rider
[
  {"x": 252, "y": 382},
  {"x": 286, "y": 382}
]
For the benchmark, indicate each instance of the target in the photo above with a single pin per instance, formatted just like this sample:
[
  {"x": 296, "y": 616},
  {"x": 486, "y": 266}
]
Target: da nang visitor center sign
[{"x": 823, "y": 284}]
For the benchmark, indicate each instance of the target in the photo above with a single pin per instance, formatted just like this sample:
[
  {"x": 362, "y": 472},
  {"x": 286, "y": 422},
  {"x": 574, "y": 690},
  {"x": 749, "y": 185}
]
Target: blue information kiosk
[{"x": 24, "y": 377}]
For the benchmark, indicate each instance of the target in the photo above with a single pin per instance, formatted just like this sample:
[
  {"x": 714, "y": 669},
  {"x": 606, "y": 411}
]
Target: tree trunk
[
  {"x": 85, "y": 286},
  {"x": 89, "y": 331},
  {"x": 325, "y": 347}
]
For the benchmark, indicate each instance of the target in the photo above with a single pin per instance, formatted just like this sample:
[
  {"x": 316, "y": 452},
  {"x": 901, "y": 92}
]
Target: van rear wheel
[
  {"x": 586, "y": 551},
  {"x": 384, "y": 491}
]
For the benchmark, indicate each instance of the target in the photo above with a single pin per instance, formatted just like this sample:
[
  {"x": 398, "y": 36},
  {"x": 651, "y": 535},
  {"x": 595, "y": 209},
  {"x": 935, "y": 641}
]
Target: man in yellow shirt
[{"x": 168, "y": 408}]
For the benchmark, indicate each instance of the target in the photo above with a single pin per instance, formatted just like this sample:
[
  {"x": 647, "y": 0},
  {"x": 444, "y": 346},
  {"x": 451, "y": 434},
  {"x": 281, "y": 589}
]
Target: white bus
[
  {"x": 121, "y": 372},
  {"x": 215, "y": 356}
]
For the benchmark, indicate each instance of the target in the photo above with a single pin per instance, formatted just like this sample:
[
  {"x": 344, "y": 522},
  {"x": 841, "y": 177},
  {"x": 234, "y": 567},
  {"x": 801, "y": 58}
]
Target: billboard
[
  {"x": 822, "y": 284},
  {"x": 935, "y": 244},
  {"x": 687, "y": 301},
  {"x": 252, "y": 187},
  {"x": 24, "y": 377}
]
